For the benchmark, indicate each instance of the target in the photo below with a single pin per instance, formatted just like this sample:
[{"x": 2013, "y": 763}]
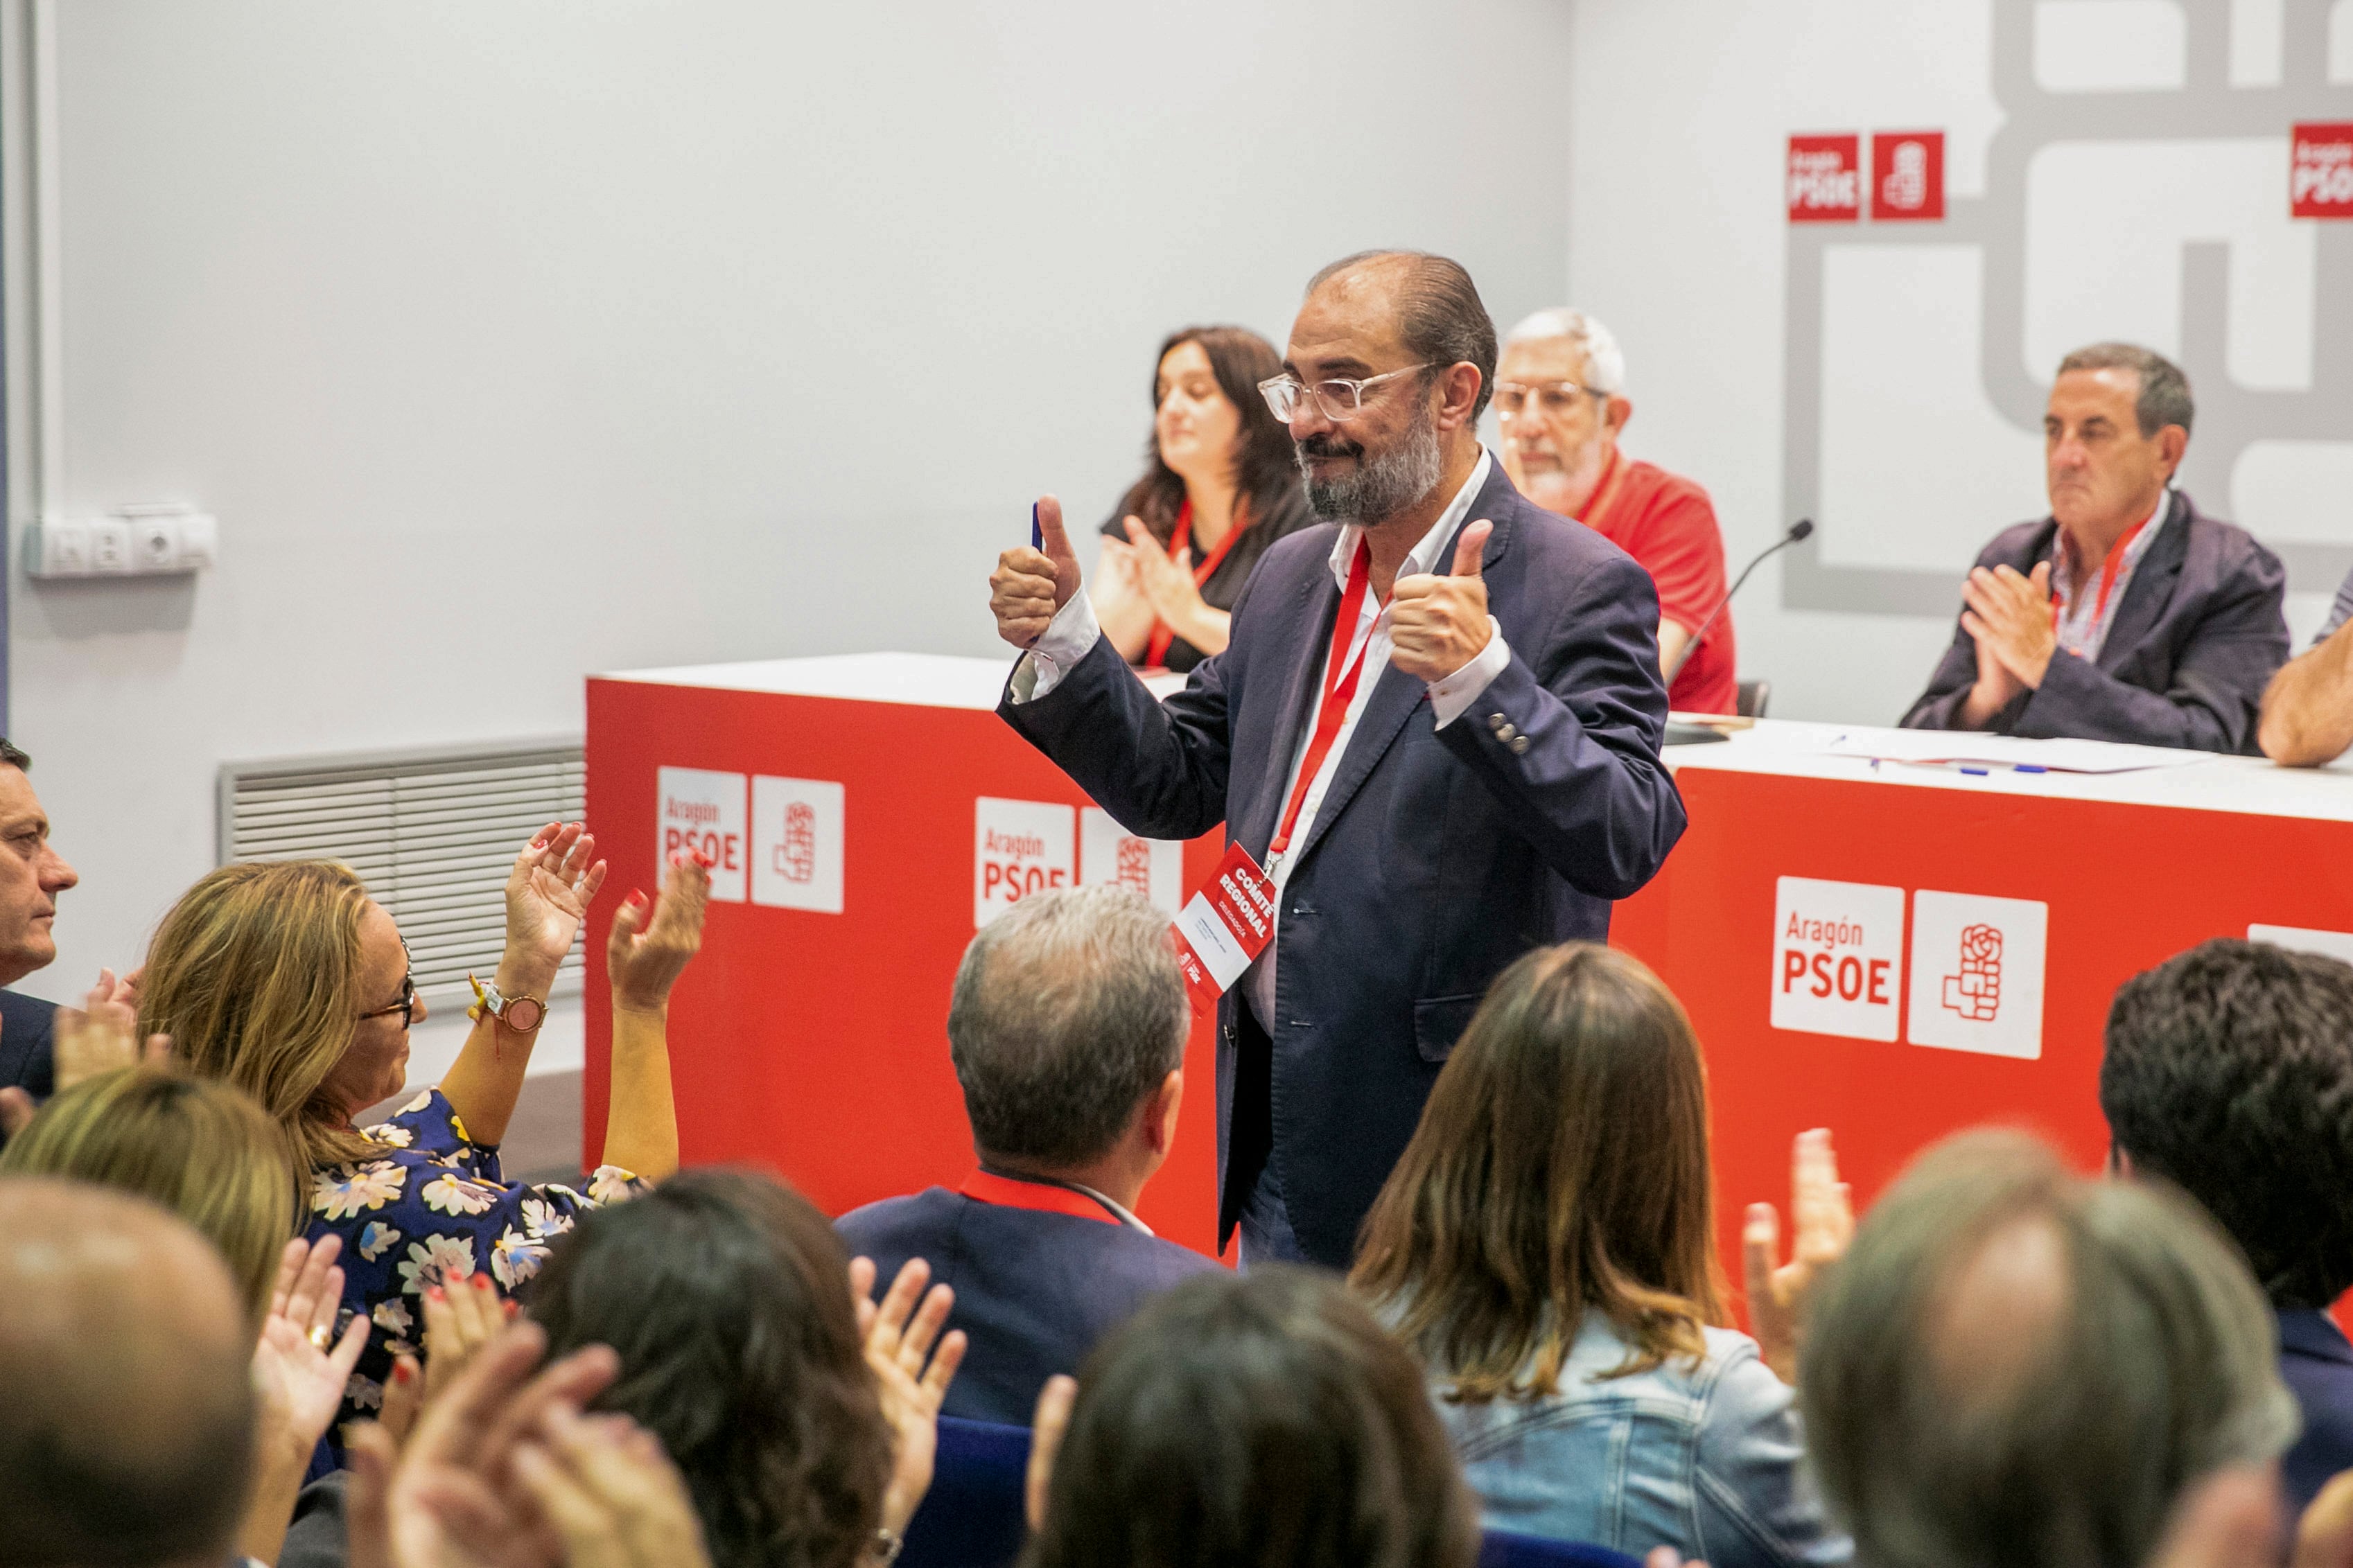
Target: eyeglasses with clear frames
[
  {"x": 1339, "y": 400},
  {"x": 1552, "y": 397}
]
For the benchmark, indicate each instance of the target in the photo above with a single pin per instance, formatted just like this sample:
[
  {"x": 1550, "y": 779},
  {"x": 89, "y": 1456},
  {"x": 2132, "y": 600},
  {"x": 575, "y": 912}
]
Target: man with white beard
[{"x": 1560, "y": 396}]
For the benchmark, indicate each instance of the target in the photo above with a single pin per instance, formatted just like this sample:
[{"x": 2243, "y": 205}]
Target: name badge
[{"x": 1224, "y": 927}]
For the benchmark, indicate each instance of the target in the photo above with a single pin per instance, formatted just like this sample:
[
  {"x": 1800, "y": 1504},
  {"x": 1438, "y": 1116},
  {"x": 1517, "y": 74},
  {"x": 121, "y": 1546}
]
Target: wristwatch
[{"x": 520, "y": 1013}]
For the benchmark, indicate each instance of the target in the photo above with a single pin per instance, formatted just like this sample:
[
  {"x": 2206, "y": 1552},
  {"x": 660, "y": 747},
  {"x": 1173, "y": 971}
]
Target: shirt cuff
[
  {"x": 1068, "y": 639},
  {"x": 1448, "y": 698}
]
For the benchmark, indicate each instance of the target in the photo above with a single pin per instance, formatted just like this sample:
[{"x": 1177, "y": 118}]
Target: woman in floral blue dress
[{"x": 286, "y": 979}]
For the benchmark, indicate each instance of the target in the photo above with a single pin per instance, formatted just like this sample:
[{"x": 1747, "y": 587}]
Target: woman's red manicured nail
[
  {"x": 637, "y": 895},
  {"x": 400, "y": 1373},
  {"x": 435, "y": 1293}
]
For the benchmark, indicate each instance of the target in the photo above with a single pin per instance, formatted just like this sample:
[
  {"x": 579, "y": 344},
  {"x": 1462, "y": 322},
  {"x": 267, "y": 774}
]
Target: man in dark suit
[
  {"x": 2126, "y": 615},
  {"x": 32, "y": 875},
  {"x": 1068, "y": 1031},
  {"x": 2228, "y": 1072},
  {"x": 1439, "y": 712}
]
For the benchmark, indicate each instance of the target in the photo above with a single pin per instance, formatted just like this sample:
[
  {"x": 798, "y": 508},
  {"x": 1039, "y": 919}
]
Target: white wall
[
  {"x": 1929, "y": 397},
  {"x": 513, "y": 341}
]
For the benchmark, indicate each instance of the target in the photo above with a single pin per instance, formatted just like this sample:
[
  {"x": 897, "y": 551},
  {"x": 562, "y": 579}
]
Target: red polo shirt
[{"x": 1668, "y": 524}]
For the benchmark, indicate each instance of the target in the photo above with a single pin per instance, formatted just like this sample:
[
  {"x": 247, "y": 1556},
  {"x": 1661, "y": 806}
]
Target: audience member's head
[
  {"x": 2113, "y": 432},
  {"x": 727, "y": 1298},
  {"x": 126, "y": 1400},
  {"x": 2229, "y": 1072},
  {"x": 1412, "y": 326},
  {"x": 1068, "y": 1029},
  {"x": 1211, "y": 428},
  {"x": 2014, "y": 1364},
  {"x": 1561, "y": 1166},
  {"x": 285, "y": 979},
  {"x": 199, "y": 1147},
  {"x": 1264, "y": 1419},
  {"x": 1560, "y": 400},
  {"x": 32, "y": 873}
]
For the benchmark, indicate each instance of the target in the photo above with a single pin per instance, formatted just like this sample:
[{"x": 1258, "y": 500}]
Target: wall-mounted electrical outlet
[{"x": 133, "y": 542}]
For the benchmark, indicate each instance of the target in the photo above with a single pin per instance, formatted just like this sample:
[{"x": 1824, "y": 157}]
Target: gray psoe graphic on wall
[{"x": 2230, "y": 416}]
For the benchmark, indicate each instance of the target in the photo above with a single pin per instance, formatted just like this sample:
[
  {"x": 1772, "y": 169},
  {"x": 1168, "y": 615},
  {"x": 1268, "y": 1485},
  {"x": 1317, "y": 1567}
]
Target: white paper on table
[{"x": 1960, "y": 748}]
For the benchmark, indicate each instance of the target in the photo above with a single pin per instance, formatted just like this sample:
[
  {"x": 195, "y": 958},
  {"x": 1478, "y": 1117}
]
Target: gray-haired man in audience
[
  {"x": 1068, "y": 1032},
  {"x": 2013, "y": 1364},
  {"x": 126, "y": 1392}
]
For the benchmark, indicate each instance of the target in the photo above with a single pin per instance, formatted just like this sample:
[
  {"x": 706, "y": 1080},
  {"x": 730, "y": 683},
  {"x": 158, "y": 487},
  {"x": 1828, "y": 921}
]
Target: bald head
[
  {"x": 2014, "y": 1364},
  {"x": 126, "y": 1395}
]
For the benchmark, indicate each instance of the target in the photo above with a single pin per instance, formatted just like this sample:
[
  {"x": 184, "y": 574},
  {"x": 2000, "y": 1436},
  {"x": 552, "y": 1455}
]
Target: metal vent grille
[{"x": 432, "y": 834}]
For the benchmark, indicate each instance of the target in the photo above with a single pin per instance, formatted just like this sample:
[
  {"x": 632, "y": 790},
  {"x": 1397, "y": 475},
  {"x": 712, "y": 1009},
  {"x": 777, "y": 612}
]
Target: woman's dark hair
[
  {"x": 1264, "y": 1419},
  {"x": 1265, "y": 468},
  {"x": 726, "y": 1296},
  {"x": 1561, "y": 1166}
]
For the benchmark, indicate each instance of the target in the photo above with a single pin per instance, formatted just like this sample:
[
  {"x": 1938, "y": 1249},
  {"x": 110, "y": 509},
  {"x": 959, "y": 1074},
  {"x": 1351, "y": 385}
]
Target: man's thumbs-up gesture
[
  {"x": 1029, "y": 585},
  {"x": 1438, "y": 625}
]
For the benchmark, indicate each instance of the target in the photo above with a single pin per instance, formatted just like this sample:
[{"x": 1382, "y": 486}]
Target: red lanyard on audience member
[
  {"x": 1164, "y": 635},
  {"x": 1006, "y": 1192},
  {"x": 1341, "y": 674}
]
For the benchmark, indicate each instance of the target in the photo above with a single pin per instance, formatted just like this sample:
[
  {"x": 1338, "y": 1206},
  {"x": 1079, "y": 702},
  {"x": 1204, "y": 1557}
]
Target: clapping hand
[
  {"x": 461, "y": 1318},
  {"x": 1438, "y": 625},
  {"x": 2009, "y": 617},
  {"x": 613, "y": 1496},
  {"x": 300, "y": 1372},
  {"x": 898, "y": 1337},
  {"x": 1029, "y": 587},
  {"x": 1165, "y": 582},
  {"x": 103, "y": 1037},
  {"x": 1047, "y": 1427},
  {"x": 1822, "y": 1208},
  {"x": 645, "y": 958},
  {"x": 453, "y": 1496},
  {"x": 548, "y": 894}
]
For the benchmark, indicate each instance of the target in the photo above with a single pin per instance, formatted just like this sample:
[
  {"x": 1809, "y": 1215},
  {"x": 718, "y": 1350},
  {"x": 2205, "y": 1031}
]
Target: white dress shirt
[{"x": 1075, "y": 629}]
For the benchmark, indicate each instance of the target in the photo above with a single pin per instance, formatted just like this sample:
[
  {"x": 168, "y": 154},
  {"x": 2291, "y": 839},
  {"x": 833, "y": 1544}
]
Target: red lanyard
[
  {"x": 2111, "y": 566},
  {"x": 1340, "y": 677},
  {"x": 1004, "y": 1192},
  {"x": 1163, "y": 635}
]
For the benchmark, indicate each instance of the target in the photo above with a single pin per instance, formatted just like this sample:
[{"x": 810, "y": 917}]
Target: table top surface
[{"x": 2190, "y": 781}]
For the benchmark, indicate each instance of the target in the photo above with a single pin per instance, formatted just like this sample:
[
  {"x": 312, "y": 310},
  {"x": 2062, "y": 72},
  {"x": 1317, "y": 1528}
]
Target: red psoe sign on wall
[
  {"x": 2320, "y": 171},
  {"x": 1825, "y": 179},
  {"x": 1907, "y": 176}
]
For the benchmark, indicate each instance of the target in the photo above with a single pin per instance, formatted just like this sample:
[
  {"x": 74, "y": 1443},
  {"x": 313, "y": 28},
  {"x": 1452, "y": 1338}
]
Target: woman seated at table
[
  {"x": 286, "y": 980},
  {"x": 1546, "y": 1245},
  {"x": 1222, "y": 485}
]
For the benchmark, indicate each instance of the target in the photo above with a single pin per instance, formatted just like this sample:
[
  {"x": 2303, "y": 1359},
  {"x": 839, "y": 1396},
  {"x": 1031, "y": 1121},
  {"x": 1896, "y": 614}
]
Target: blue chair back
[
  {"x": 1509, "y": 1549},
  {"x": 972, "y": 1516}
]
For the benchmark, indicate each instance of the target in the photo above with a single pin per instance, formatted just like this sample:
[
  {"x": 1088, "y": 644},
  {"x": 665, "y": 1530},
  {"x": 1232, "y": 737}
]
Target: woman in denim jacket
[{"x": 1547, "y": 1247}]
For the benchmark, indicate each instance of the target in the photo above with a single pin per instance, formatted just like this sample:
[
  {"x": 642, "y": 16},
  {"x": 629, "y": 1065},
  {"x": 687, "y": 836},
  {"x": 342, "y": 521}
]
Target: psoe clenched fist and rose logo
[{"x": 1976, "y": 964}]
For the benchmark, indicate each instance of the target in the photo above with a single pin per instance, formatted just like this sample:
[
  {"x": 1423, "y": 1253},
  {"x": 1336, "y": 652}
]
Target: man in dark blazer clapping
[
  {"x": 1462, "y": 766},
  {"x": 2128, "y": 614}
]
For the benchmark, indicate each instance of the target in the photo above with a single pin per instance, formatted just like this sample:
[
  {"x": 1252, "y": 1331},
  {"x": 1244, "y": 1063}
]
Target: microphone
[{"x": 1801, "y": 529}]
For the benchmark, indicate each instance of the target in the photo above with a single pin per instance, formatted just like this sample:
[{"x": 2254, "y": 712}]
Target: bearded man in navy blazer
[{"x": 1490, "y": 783}]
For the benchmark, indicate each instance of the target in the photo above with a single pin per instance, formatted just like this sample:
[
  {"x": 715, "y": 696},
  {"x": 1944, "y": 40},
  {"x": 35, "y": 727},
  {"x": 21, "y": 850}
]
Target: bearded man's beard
[{"x": 1378, "y": 488}]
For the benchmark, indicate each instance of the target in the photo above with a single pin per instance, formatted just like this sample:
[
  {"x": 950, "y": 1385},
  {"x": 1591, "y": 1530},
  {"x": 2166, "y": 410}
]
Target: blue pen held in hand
[{"x": 1036, "y": 534}]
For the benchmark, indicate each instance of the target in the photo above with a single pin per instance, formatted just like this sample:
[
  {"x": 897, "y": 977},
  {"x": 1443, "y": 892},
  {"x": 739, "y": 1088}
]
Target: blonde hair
[
  {"x": 254, "y": 974},
  {"x": 202, "y": 1150}
]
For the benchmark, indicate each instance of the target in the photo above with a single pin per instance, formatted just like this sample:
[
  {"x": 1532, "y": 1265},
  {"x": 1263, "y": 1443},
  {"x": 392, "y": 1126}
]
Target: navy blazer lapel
[
  {"x": 1397, "y": 694},
  {"x": 1311, "y": 607},
  {"x": 2151, "y": 588}
]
